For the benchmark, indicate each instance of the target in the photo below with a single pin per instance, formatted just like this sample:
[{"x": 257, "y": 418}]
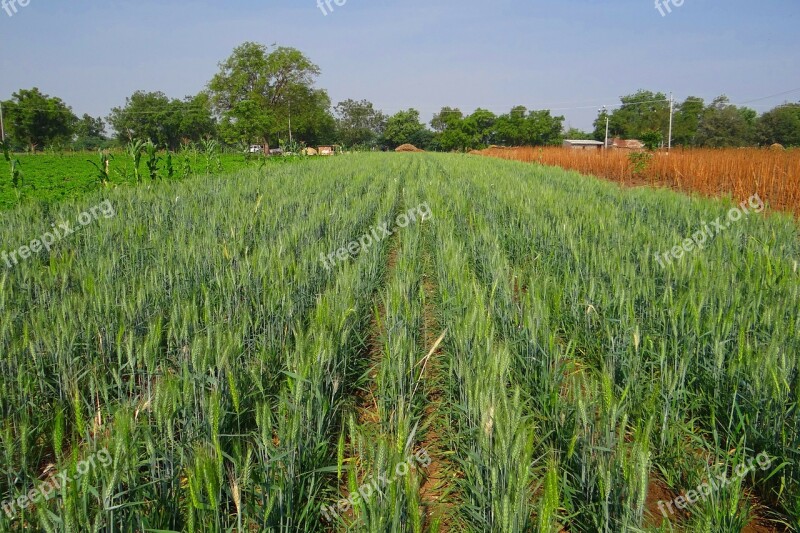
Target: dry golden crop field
[{"x": 739, "y": 172}]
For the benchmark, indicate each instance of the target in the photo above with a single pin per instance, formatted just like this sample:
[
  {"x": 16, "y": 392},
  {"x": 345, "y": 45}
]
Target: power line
[{"x": 771, "y": 96}]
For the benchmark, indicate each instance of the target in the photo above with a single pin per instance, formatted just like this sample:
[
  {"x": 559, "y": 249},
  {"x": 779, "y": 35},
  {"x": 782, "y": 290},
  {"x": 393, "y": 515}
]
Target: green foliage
[
  {"x": 102, "y": 167},
  {"x": 578, "y": 134},
  {"x": 688, "y": 116},
  {"x": 652, "y": 139},
  {"x": 257, "y": 90},
  {"x": 152, "y": 116},
  {"x": 135, "y": 149},
  {"x": 152, "y": 160},
  {"x": 55, "y": 178},
  {"x": 639, "y": 161},
  {"x": 780, "y": 125},
  {"x": 640, "y": 112},
  {"x": 211, "y": 154},
  {"x": 724, "y": 125},
  {"x": 14, "y": 166},
  {"x": 90, "y": 134},
  {"x": 404, "y": 127},
  {"x": 239, "y": 383},
  {"x": 482, "y": 128},
  {"x": 34, "y": 120},
  {"x": 358, "y": 123},
  {"x": 168, "y": 165}
]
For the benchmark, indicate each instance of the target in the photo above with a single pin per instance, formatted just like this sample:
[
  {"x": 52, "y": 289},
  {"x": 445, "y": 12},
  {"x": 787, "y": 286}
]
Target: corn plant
[
  {"x": 151, "y": 150},
  {"x": 102, "y": 167},
  {"x": 169, "y": 167},
  {"x": 211, "y": 154},
  {"x": 14, "y": 166},
  {"x": 135, "y": 149}
]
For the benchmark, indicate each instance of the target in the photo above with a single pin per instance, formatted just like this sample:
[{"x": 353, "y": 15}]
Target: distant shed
[
  {"x": 626, "y": 144},
  {"x": 577, "y": 144}
]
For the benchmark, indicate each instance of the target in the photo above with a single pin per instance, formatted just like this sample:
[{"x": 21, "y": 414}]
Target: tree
[
  {"x": 687, "y": 121},
  {"x": 479, "y": 127},
  {"x": 578, "y": 135},
  {"x": 245, "y": 122},
  {"x": 450, "y": 135},
  {"x": 311, "y": 119},
  {"x": 724, "y": 125},
  {"x": 543, "y": 129},
  {"x": 640, "y": 112},
  {"x": 145, "y": 116},
  {"x": 358, "y": 123},
  {"x": 152, "y": 116},
  {"x": 404, "y": 127},
  {"x": 264, "y": 88},
  {"x": 196, "y": 117},
  {"x": 447, "y": 117},
  {"x": 89, "y": 133},
  {"x": 780, "y": 125},
  {"x": 36, "y": 120},
  {"x": 510, "y": 127}
]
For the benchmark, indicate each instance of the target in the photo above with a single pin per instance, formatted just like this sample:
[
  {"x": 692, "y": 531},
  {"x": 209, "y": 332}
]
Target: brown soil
[
  {"x": 658, "y": 491},
  {"x": 436, "y": 489}
]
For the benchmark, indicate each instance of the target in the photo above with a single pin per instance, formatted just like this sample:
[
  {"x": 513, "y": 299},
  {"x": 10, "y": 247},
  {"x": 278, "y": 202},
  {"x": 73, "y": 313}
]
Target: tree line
[{"x": 268, "y": 95}]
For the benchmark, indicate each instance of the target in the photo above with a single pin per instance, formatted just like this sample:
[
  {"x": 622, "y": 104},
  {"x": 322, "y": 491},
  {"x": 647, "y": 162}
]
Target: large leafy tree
[
  {"x": 725, "y": 125},
  {"x": 359, "y": 123},
  {"x": 89, "y": 133},
  {"x": 404, "y": 127},
  {"x": 780, "y": 125},
  {"x": 578, "y": 134},
  {"x": 263, "y": 88},
  {"x": 522, "y": 128},
  {"x": 448, "y": 117},
  {"x": 479, "y": 126},
  {"x": 196, "y": 118},
  {"x": 510, "y": 127},
  {"x": 312, "y": 121},
  {"x": 640, "y": 113},
  {"x": 166, "y": 122},
  {"x": 543, "y": 129},
  {"x": 687, "y": 121},
  {"x": 35, "y": 120},
  {"x": 450, "y": 134}
]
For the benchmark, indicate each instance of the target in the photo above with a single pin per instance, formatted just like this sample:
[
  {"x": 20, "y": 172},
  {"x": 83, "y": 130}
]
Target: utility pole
[
  {"x": 2, "y": 127},
  {"x": 290, "y": 123},
  {"x": 604, "y": 110},
  {"x": 671, "y": 110}
]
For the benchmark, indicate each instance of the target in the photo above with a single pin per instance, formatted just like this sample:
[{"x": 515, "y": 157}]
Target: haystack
[
  {"x": 777, "y": 146},
  {"x": 309, "y": 151},
  {"x": 407, "y": 148}
]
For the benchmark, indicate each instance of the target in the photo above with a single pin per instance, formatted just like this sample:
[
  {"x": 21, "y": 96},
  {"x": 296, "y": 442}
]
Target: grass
[
  {"x": 198, "y": 337},
  {"x": 51, "y": 177}
]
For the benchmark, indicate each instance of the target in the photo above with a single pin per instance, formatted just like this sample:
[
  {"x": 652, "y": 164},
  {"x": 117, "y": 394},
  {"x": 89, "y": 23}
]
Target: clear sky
[{"x": 544, "y": 54}]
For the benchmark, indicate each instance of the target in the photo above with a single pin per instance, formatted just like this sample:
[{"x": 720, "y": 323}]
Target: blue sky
[{"x": 570, "y": 54}]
